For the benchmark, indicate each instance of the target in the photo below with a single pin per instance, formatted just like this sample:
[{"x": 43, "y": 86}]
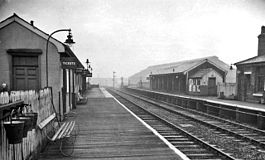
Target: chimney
[
  {"x": 261, "y": 43},
  {"x": 32, "y": 23}
]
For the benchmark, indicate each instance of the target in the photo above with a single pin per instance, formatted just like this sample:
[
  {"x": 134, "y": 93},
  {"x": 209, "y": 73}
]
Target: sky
[{"x": 127, "y": 36}]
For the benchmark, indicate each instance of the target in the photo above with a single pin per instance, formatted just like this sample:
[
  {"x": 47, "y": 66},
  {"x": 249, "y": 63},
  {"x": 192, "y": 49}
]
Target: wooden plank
[
  {"x": 71, "y": 129},
  {"x": 64, "y": 130},
  {"x": 10, "y": 105},
  {"x": 46, "y": 121},
  {"x": 68, "y": 128},
  {"x": 58, "y": 132}
]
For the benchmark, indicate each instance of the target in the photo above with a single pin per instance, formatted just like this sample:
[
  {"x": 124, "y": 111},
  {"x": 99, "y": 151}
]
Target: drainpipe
[{"x": 187, "y": 83}]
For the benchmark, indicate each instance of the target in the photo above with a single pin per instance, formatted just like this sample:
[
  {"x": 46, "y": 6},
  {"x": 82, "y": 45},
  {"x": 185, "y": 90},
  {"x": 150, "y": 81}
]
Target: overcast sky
[{"x": 127, "y": 36}]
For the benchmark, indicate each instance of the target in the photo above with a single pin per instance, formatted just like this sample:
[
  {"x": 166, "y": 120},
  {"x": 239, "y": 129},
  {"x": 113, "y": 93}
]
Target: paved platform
[
  {"x": 109, "y": 131},
  {"x": 95, "y": 93}
]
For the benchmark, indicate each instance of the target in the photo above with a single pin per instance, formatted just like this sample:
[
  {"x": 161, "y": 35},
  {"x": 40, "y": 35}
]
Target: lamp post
[
  {"x": 87, "y": 69},
  {"x": 69, "y": 41},
  {"x": 88, "y": 66},
  {"x": 87, "y": 63}
]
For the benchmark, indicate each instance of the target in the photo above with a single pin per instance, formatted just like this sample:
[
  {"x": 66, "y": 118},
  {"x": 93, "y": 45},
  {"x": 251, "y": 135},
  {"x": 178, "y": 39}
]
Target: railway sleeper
[
  {"x": 200, "y": 155},
  {"x": 180, "y": 147},
  {"x": 177, "y": 139},
  {"x": 173, "y": 136},
  {"x": 248, "y": 134},
  {"x": 193, "y": 150},
  {"x": 182, "y": 143},
  {"x": 169, "y": 134},
  {"x": 260, "y": 139},
  {"x": 166, "y": 132}
]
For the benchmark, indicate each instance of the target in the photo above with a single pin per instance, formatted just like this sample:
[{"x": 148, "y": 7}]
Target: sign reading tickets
[{"x": 68, "y": 63}]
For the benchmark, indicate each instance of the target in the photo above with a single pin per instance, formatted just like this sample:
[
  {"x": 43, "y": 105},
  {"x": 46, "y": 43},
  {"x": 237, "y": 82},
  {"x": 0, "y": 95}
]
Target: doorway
[
  {"x": 25, "y": 73},
  {"x": 212, "y": 88}
]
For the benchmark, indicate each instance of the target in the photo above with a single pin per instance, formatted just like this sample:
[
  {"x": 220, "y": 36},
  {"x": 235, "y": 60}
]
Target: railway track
[
  {"x": 192, "y": 146},
  {"x": 225, "y": 127}
]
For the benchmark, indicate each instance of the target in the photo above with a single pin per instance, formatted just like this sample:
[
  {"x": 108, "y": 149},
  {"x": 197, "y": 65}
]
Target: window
[
  {"x": 260, "y": 83},
  {"x": 260, "y": 79},
  {"x": 198, "y": 82}
]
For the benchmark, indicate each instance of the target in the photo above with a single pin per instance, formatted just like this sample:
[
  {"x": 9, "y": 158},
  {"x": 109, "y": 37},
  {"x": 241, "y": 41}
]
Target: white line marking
[
  {"x": 105, "y": 92},
  {"x": 178, "y": 152}
]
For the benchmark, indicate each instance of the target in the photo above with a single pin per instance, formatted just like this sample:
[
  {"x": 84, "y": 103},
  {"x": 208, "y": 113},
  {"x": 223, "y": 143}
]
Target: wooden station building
[
  {"x": 23, "y": 62},
  {"x": 194, "y": 77},
  {"x": 251, "y": 74}
]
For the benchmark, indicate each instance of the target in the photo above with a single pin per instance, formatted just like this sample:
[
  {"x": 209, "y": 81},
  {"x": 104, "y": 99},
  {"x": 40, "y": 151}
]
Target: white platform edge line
[
  {"x": 178, "y": 152},
  {"x": 105, "y": 92}
]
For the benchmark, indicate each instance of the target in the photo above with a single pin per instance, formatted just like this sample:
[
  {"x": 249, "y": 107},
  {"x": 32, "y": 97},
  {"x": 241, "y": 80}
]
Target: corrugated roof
[
  {"x": 256, "y": 59},
  {"x": 179, "y": 67}
]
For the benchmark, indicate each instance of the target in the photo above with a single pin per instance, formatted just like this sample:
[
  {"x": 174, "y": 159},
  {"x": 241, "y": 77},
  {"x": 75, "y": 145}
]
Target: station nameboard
[{"x": 68, "y": 63}]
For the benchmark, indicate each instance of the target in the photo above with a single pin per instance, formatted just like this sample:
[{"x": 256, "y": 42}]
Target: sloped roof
[
  {"x": 16, "y": 18},
  {"x": 71, "y": 54},
  {"x": 256, "y": 59},
  {"x": 181, "y": 67},
  {"x": 62, "y": 48},
  {"x": 201, "y": 73}
]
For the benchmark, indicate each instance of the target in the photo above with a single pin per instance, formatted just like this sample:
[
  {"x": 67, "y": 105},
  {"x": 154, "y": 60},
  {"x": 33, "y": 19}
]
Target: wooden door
[
  {"x": 247, "y": 87},
  {"x": 212, "y": 88},
  {"x": 25, "y": 73}
]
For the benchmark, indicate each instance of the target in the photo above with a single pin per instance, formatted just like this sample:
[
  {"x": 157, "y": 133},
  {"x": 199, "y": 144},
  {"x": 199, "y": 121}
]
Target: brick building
[
  {"x": 23, "y": 62},
  {"x": 251, "y": 74}
]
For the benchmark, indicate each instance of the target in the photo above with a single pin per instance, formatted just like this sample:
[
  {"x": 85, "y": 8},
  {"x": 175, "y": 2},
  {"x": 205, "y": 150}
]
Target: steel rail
[
  {"x": 237, "y": 135},
  {"x": 203, "y": 143}
]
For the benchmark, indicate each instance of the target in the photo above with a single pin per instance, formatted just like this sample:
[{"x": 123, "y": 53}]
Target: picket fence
[{"x": 40, "y": 102}]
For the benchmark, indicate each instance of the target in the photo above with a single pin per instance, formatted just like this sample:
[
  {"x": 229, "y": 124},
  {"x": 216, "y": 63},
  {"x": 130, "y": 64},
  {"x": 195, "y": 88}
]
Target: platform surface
[
  {"x": 236, "y": 103},
  {"x": 108, "y": 131}
]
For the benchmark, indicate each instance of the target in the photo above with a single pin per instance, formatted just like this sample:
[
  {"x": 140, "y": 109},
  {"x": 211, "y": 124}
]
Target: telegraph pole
[
  {"x": 113, "y": 79},
  {"x": 121, "y": 82}
]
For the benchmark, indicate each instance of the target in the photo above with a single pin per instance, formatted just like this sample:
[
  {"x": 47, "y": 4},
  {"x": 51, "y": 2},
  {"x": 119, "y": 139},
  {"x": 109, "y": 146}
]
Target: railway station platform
[
  {"x": 108, "y": 131},
  {"x": 236, "y": 103}
]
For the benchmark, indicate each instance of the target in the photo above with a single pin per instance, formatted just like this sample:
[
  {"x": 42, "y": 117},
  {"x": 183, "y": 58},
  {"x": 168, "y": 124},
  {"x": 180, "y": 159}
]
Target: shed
[{"x": 174, "y": 77}]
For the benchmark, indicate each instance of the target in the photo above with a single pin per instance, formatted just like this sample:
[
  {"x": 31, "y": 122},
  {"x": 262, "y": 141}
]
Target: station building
[
  {"x": 194, "y": 77},
  {"x": 251, "y": 74},
  {"x": 23, "y": 62}
]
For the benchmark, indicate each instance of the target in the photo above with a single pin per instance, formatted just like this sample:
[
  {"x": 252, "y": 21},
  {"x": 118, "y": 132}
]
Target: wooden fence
[
  {"x": 227, "y": 90},
  {"x": 41, "y": 103}
]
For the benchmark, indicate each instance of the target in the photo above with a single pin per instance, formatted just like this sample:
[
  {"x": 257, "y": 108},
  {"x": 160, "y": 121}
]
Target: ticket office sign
[{"x": 68, "y": 63}]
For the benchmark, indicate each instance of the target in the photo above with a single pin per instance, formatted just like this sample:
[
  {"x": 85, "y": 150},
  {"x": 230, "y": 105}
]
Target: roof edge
[{"x": 19, "y": 20}]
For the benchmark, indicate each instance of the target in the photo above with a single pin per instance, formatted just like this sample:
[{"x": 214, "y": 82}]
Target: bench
[
  {"x": 65, "y": 130},
  {"x": 81, "y": 99},
  {"x": 62, "y": 132}
]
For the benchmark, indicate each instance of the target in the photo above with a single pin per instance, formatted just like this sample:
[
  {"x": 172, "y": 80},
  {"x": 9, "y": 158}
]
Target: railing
[{"x": 39, "y": 102}]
